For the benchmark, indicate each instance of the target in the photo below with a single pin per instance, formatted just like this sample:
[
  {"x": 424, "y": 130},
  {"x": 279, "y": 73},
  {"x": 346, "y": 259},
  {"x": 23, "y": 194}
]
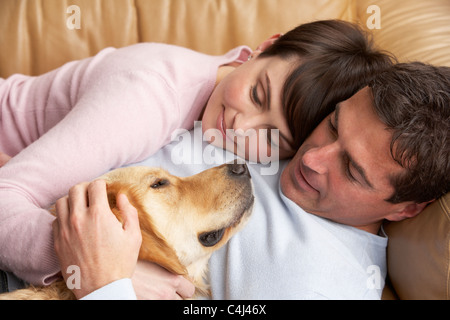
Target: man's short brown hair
[{"x": 413, "y": 101}]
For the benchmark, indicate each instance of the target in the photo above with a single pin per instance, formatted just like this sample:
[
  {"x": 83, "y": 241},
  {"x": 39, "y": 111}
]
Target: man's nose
[{"x": 319, "y": 159}]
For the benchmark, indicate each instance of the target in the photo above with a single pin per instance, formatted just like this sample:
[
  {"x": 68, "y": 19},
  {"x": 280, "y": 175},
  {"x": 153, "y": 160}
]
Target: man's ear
[
  {"x": 267, "y": 43},
  {"x": 407, "y": 210}
]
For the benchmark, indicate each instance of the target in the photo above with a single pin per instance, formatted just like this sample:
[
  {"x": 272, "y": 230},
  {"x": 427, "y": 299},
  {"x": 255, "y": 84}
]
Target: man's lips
[{"x": 301, "y": 179}]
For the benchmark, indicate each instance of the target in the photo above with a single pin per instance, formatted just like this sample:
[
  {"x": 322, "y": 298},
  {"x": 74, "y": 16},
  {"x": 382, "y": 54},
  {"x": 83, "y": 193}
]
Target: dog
[{"x": 183, "y": 220}]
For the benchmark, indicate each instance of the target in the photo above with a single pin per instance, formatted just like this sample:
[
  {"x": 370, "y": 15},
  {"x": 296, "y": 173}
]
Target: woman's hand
[
  {"x": 4, "y": 158},
  {"x": 152, "y": 282},
  {"x": 89, "y": 236}
]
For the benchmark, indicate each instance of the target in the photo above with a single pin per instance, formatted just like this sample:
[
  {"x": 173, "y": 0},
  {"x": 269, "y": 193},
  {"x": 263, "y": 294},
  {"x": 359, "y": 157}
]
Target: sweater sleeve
[
  {"x": 116, "y": 122},
  {"x": 126, "y": 104}
]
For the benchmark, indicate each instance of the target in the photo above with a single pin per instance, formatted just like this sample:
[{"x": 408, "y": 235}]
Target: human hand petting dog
[{"x": 88, "y": 235}]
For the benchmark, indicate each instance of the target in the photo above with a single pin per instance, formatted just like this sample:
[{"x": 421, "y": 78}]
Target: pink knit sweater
[{"x": 81, "y": 120}]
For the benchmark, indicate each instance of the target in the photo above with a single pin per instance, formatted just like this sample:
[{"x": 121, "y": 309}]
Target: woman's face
[{"x": 244, "y": 113}]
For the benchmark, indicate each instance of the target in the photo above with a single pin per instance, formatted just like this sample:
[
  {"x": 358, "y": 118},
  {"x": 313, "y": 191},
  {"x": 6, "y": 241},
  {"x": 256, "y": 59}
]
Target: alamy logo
[
  {"x": 374, "y": 279},
  {"x": 374, "y": 21},
  {"x": 74, "y": 280},
  {"x": 74, "y": 20}
]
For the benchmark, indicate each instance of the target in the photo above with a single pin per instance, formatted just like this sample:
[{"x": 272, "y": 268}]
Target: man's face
[{"x": 342, "y": 171}]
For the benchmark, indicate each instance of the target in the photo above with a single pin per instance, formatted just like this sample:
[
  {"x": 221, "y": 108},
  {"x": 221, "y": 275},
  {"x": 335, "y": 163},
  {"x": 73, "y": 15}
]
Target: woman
[{"x": 122, "y": 105}]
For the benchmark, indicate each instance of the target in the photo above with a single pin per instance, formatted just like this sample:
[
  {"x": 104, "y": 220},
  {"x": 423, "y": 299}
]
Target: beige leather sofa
[{"x": 37, "y": 36}]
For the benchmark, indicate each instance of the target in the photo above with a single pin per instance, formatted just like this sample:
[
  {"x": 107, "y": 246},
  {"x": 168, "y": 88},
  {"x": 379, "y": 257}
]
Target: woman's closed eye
[
  {"x": 257, "y": 95},
  {"x": 254, "y": 95}
]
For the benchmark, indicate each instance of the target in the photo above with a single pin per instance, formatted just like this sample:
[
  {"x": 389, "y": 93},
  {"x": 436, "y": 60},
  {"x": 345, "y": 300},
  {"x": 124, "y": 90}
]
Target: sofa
[{"x": 38, "y": 36}]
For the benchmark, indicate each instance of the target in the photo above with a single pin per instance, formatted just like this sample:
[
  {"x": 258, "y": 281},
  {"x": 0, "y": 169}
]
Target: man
[{"x": 382, "y": 154}]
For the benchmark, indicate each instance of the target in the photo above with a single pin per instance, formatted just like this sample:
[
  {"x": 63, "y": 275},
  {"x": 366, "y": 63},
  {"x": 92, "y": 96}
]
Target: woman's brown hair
[{"x": 335, "y": 60}]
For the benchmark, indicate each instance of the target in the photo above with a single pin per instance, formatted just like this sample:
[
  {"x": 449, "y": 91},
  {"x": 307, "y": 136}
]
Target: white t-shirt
[{"x": 283, "y": 252}]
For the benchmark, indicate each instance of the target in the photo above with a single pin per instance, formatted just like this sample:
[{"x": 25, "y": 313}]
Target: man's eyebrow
[
  {"x": 350, "y": 159},
  {"x": 336, "y": 116},
  {"x": 358, "y": 168}
]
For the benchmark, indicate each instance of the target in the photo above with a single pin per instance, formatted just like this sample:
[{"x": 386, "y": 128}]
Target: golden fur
[{"x": 175, "y": 215}]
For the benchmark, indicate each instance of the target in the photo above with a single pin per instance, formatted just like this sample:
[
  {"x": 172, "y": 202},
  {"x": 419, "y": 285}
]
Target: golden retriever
[{"x": 183, "y": 220}]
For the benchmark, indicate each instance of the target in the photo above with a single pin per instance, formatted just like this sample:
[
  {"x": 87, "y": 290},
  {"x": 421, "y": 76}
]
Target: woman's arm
[
  {"x": 4, "y": 158},
  {"x": 116, "y": 122},
  {"x": 151, "y": 281}
]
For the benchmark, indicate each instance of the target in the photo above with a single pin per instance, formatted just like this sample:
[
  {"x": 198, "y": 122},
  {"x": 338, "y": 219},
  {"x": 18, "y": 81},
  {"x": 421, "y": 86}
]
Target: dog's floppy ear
[
  {"x": 112, "y": 190},
  {"x": 154, "y": 247},
  {"x": 112, "y": 199}
]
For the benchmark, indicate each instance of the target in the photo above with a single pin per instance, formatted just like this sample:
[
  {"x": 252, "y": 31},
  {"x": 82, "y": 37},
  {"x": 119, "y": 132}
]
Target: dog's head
[{"x": 184, "y": 219}]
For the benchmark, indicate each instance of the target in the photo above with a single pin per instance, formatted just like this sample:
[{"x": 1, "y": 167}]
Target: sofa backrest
[{"x": 38, "y": 36}]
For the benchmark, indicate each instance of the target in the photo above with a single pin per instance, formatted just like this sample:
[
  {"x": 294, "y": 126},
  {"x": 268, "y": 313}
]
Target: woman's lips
[
  {"x": 222, "y": 126},
  {"x": 221, "y": 123}
]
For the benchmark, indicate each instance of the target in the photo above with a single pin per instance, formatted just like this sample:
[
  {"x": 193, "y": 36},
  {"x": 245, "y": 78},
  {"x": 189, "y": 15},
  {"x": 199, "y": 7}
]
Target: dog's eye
[
  {"x": 209, "y": 239},
  {"x": 159, "y": 183}
]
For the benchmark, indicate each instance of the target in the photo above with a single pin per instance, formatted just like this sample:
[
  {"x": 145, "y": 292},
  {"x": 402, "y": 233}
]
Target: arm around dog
[
  {"x": 89, "y": 236},
  {"x": 149, "y": 282}
]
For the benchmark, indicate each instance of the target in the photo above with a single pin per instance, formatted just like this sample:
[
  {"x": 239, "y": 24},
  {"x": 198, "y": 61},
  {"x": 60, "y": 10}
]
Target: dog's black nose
[{"x": 238, "y": 169}]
